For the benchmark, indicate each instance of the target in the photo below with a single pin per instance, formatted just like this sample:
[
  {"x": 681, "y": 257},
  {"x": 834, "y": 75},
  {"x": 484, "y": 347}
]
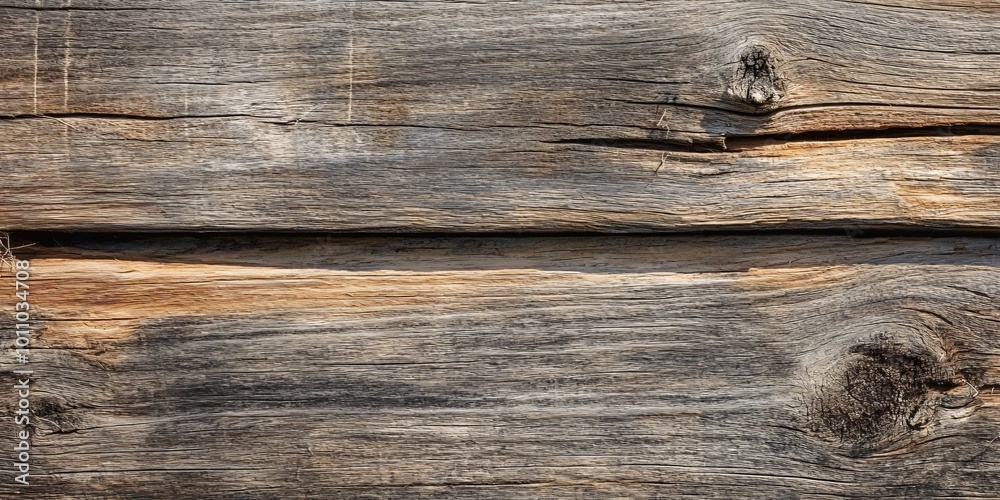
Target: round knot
[
  {"x": 755, "y": 80},
  {"x": 879, "y": 393}
]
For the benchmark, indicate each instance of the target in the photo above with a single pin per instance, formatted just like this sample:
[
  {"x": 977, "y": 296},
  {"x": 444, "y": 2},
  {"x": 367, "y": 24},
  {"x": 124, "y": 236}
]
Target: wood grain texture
[
  {"x": 464, "y": 116},
  {"x": 641, "y": 367}
]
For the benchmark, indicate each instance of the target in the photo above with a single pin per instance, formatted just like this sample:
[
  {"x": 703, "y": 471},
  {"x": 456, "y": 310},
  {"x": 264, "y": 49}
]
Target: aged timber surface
[
  {"x": 459, "y": 116},
  {"x": 250, "y": 367}
]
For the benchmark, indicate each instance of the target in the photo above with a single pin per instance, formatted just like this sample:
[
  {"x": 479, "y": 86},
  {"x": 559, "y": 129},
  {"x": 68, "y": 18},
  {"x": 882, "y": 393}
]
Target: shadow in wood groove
[
  {"x": 692, "y": 253},
  {"x": 738, "y": 143}
]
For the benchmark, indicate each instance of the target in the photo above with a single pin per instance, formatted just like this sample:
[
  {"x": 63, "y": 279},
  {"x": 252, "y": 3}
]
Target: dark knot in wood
[
  {"x": 755, "y": 80},
  {"x": 879, "y": 393}
]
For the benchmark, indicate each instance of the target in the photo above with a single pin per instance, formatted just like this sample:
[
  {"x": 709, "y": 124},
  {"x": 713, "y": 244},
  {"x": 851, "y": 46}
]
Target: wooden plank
[
  {"x": 245, "y": 175},
  {"x": 457, "y": 116},
  {"x": 499, "y": 368},
  {"x": 842, "y": 64}
]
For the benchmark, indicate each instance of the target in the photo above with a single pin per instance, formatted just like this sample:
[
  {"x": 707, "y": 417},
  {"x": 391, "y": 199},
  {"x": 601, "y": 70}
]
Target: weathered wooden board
[
  {"x": 459, "y": 116},
  {"x": 233, "y": 179},
  {"x": 510, "y": 368}
]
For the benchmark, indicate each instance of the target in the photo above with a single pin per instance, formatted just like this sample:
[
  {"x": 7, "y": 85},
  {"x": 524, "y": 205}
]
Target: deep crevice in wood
[
  {"x": 773, "y": 112},
  {"x": 69, "y": 238},
  {"x": 744, "y": 142},
  {"x": 856, "y": 231}
]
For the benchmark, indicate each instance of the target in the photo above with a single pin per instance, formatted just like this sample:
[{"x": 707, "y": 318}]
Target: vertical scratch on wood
[
  {"x": 350, "y": 76},
  {"x": 66, "y": 59},
  {"x": 34, "y": 85},
  {"x": 350, "y": 67},
  {"x": 663, "y": 159}
]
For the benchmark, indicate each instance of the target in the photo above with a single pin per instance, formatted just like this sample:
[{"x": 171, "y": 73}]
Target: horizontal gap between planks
[{"x": 72, "y": 238}]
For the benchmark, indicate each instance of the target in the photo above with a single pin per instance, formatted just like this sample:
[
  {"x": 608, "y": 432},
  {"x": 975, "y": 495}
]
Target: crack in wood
[
  {"x": 741, "y": 142},
  {"x": 65, "y": 8},
  {"x": 120, "y": 116}
]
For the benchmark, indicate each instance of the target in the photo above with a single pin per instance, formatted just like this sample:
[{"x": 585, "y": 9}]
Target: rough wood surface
[
  {"x": 641, "y": 367},
  {"x": 459, "y": 116}
]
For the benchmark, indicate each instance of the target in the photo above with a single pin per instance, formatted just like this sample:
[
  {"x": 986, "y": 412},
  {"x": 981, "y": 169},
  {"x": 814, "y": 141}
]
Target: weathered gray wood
[
  {"x": 455, "y": 64},
  {"x": 456, "y": 116},
  {"x": 511, "y": 368},
  {"x": 238, "y": 175}
]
